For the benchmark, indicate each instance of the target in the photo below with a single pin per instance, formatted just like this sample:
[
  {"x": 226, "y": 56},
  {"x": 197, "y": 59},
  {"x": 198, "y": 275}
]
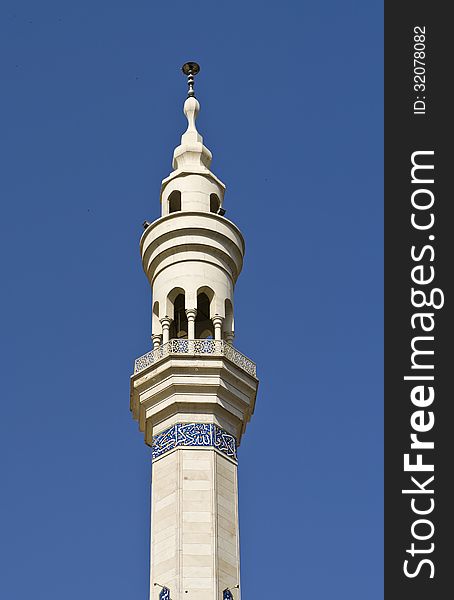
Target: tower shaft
[
  {"x": 195, "y": 540},
  {"x": 194, "y": 392}
]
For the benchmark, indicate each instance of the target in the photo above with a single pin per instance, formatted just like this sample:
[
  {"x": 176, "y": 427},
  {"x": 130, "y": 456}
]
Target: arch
[
  {"x": 215, "y": 203},
  {"x": 170, "y": 301},
  {"x": 179, "y": 325},
  {"x": 209, "y": 293},
  {"x": 203, "y": 324},
  {"x": 174, "y": 201},
  {"x": 155, "y": 323},
  {"x": 229, "y": 325}
]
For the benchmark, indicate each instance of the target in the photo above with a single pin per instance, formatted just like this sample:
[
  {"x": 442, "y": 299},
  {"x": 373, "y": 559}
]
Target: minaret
[{"x": 194, "y": 392}]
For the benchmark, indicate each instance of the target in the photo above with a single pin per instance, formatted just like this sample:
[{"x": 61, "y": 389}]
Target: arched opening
[
  {"x": 228, "y": 321},
  {"x": 203, "y": 325},
  {"x": 155, "y": 324},
  {"x": 214, "y": 203},
  {"x": 175, "y": 201},
  {"x": 179, "y": 325}
]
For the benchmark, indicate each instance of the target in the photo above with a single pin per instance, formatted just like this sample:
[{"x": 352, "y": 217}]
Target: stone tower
[{"x": 194, "y": 392}]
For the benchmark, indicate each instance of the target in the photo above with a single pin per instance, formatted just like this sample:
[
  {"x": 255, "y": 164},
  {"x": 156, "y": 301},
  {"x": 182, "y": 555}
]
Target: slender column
[
  {"x": 217, "y": 322},
  {"x": 156, "y": 337},
  {"x": 228, "y": 336},
  {"x": 165, "y": 322},
  {"x": 191, "y": 313}
]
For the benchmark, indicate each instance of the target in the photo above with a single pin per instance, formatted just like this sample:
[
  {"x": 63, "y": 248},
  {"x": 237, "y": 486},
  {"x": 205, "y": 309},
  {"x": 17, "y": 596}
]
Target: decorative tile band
[{"x": 193, "y": 434}]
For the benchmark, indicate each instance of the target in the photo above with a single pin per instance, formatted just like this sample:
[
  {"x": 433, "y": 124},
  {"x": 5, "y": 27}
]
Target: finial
[
  {"x": 190, "y": 69},
  {"x": 191, "y": 155}
]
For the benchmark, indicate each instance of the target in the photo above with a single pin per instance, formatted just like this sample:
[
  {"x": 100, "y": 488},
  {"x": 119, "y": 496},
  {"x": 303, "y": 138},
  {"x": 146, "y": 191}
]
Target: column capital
[
  {"x": 156, "y": 339},
  {"x": 191, "y": 314},
  {"x": 217, "y": 322},
  {"x": 165, "y": 321}
]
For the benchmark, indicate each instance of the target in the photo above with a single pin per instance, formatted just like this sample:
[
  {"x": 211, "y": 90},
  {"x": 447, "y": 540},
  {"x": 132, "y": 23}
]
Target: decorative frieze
[
  {"x": 199, "y": 435},
  {"x": 196, "y": 348}
]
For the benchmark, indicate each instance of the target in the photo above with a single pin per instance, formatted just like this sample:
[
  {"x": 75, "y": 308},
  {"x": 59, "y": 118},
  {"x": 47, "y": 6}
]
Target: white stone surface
[
  {"x": 191, "y": 252},
  {"x": 192, "y": 249},
  {"x": 195, "y": 540},
  {"x": 198, "y": 389}
]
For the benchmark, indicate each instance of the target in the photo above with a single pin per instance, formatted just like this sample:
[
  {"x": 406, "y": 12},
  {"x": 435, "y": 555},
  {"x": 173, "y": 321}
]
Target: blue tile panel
[{"x": 205, "y": 435}]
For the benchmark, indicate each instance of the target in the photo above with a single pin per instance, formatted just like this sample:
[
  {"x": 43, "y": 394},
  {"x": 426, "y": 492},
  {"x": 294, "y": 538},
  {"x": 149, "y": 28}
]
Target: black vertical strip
[{"x": 418, "y": 110}]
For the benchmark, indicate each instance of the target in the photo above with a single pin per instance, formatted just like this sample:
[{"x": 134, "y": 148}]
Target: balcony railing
[{"x": 196, "y": 348}]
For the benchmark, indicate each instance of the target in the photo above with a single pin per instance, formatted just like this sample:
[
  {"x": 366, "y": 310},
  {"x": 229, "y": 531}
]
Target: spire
[{"x": 191, "y": 155}]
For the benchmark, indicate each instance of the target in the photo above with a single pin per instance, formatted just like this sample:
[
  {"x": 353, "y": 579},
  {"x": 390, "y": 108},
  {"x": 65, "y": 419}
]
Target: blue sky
[{"x": 91, "y": 109}]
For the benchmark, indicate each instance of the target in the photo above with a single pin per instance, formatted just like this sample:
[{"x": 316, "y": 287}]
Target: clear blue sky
[{"x": 91, "y": 110}]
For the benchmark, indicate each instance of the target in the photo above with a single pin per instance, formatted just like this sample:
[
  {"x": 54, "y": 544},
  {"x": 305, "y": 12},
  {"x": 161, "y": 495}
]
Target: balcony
[{"x": 178, "y": 347}]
